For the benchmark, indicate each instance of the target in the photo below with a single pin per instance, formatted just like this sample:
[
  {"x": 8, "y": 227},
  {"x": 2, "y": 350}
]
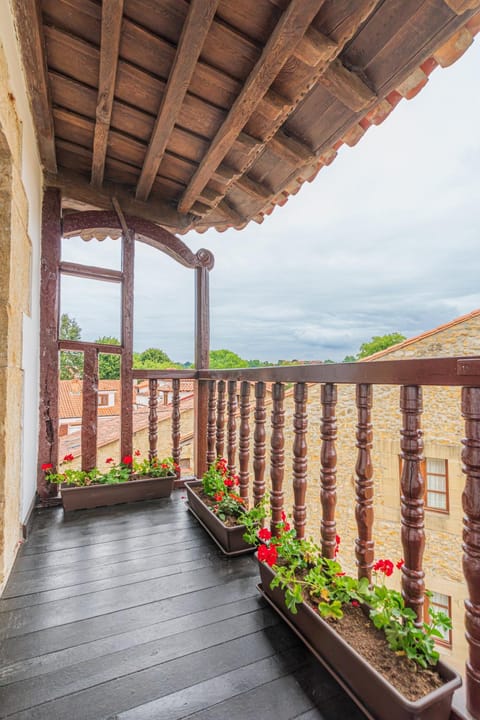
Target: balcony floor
[{"x": 131, "y": 612}]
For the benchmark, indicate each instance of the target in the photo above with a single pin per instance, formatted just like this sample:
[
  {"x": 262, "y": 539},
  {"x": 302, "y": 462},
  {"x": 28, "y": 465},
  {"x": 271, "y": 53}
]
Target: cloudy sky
[{"x": 385, "y": 239}]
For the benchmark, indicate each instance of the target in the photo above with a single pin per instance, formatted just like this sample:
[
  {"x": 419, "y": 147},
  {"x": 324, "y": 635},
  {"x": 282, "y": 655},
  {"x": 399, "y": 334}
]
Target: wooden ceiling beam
[
  {"x": 77, "y": 187},
  {"x": 230, "y": 213},
  {"x": 347, "y": 86},
  {"x": 195, "y": 30},
  {"x": 282, "y": 42},
  {"x": 28, "y": 22},
  {"x": 290, "y": 149},
  {"x": 112, "y": 14},
  {"x": 461, "y": 6},
  {"x": 315, "y": 47},
  {"x": 253, "y": 188}
]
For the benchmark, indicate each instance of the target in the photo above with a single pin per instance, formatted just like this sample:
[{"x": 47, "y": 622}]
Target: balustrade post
[
  {"x": 212, "y": 406},
  {"x": 89, "y": 409},
  {"x": 277, "y": 459},
  {"x": 300, "y": 421},
  {"x": 220, "y": 444},
  {"x": 364, "y": 545},
  {"x": 259, "y": 444},
  {"x": 244, "y": 444},
  {"x": 152, "y": 418},
  {"x": 471, "y": 542},
  {"x": 412, "y": 502},
  {"x": 328, "y": 470},
  {"x": 232, "y": 426},
  {"x": 176, "y": 452}
]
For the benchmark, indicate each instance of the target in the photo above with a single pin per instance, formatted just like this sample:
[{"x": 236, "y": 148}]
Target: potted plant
[
  {"x": 362, "y": 633},
  {"x": 215, "y": 502},
  {"x": 130, "y": 480}
]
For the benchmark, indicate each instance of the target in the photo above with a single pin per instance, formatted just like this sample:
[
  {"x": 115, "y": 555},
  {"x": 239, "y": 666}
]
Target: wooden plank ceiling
[{"x": 209, "y": 113}]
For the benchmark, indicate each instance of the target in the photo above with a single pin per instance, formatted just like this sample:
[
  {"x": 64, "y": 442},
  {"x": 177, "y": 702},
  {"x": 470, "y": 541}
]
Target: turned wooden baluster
[
  {"x": 471, "y": 542},
  {"x": 244, "y": 444},
  {"x": 328, "y": 470},
  {"x": 300, "y": 420},
  {"x": 232, "y": 426},
  {"x": 176, "y": 423},
  {"x": 364, "y": 545},
  {"x": 277, "y": 458},
  {"x": 152, "y": 418},
  {"x": 212, "y": 407},
  {"x": 259, "y": 436},
  {"x": 220, "y": 444},
  {"x": 412, "y": 503}
]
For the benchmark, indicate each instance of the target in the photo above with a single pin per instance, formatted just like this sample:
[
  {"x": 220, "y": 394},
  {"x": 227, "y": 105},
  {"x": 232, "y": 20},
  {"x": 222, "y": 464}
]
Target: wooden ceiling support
[
  {"x": 112, "y": 13},
  {"x": 290, "y": 149},
  {"x": 195, "y": 30},
  {"x": 347, "y": 86},
  {"x": 283, "y": 40},
  {"x": 29, "y": 29},
  {"x": 91, "y": 272},
  {"x": 461, "y": 6}
]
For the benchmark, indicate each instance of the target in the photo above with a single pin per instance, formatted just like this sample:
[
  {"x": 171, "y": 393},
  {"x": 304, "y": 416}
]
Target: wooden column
[
  {"x": 259, "y": 436},
  {"x": 471, "y": 543},
  {"x": 202, "y": 361},
  {"x": 232, "y": 426},
  {"x": 128, "y": 260},
  {"x": 300, "y": 458},
  {"x": 89, "y": 408},
  {"x": 152, "y": 418},
  {"x": 49, "y": 314},
  {"x": 176, "y": 422},
  {"x": 328, "y": 470},
  {"x": 277, "y": 459},
  {"x": 220, "y": 443},
  {"x": 364, "y": 545},
  {"x": 244, "y": 445},
  {"x": 212, "y": 407},
  {"x": 413, "y": 490}
]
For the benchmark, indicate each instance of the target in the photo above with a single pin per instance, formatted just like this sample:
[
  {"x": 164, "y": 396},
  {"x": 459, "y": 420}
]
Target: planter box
[
  {"x": 228, "y": 539},
  {"x": 81, "y": 498},
  {"x": 371, "y": 691}
]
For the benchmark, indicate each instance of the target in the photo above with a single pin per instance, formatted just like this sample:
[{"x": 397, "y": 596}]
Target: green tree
[
  {"x": 221, "y": 359},
  {"x": 71, "y": 363},
  {"x": 108, "y": 365},
  {"x": 379, "y": 342},
  {"x": 349, "y": 358},
  {"x": 154, "y": 355}
]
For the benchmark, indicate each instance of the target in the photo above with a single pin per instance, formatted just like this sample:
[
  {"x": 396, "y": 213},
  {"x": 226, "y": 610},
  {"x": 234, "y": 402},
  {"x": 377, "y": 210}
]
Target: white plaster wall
[{"x": 32, "y": 181}]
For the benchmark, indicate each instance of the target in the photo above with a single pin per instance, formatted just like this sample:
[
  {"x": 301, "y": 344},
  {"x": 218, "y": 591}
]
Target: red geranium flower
[
  {"x": 267, "y": 554},
  {"x": 228, "y": 483},
  {"x": 68, "y": 458},
  {"x": 355, "y": 603},
  {"x": 284, "y": 517},
  {"x": 388, "y": 568},
  {"x": 218, "y": 496},
  {"x": 127, "y": 460},
  {"x": 47, "y": 466},
  {"x": 264, "y": 534},
  {"x": 400, "y": 564},
  {"x": 137, "y": 453},
  {"x": 109, "y": 460}
]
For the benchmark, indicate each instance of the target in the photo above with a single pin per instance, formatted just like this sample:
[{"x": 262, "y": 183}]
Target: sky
[{"x": 384, "y": 240}]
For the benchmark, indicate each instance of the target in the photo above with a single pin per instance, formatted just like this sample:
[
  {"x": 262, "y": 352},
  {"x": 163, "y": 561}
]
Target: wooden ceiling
[{"x": 209, "y": 113}]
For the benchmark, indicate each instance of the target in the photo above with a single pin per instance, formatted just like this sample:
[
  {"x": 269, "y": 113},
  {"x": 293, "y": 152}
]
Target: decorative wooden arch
[{"x": 100, "y": 224}]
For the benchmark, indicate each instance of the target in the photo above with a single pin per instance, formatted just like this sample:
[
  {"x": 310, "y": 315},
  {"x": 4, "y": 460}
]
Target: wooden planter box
[
  {"x": 371, "y": 691},
  {"x": 146, "y": 488},
  {"x": 228, "y": 539}
]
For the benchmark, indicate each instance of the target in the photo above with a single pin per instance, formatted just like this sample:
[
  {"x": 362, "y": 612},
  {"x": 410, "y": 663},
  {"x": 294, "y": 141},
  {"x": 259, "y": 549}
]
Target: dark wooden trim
[
  {"x": 49, "y": 316},
  {"x": 328, "y": 469},
  {"x": 290, "y": 29},
  {"x": 112, "y": 15},
  {"x": 28, "y": 21},
  {"x": 244, "y": 441},
  {"x": 232, "y": 426},
  {"x": 126, "y": 377},
  {"x": 152, "y": 418},
  {"x": 91, "y": 272},
  {"x": 259, "y": 444},
  {"x": 164, "y": 374},
  {"x": 300, "y": 421},
  {"x": 364, "y": 487},
  {"x": 277, "y": 456},
  {"x": 89, "y": 409},
  {"x": 176, "y": 418},
  {"x": 195, "y": 30},
  {"x": 81, "y": 346},
  {"x": 202, "y": 360}
]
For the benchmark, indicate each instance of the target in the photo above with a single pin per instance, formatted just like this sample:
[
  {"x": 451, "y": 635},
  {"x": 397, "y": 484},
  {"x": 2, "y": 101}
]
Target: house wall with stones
[{"x": 20, "y": 208}]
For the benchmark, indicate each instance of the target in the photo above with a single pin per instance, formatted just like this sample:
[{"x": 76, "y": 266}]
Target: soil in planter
[
  {"x": 412, "y": 681},
  {"x": 230, "y": 520}
]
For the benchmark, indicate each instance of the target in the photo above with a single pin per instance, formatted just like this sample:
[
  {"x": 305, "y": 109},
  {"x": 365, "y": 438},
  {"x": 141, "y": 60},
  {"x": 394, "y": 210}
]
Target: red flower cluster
[
  {"x": 109, "y": 460},
  {"x": 400, "y": 564},
  {"x": 127, "y": 460},
  {"x": 218, "y": 496},
  {"x": 337, "y": 544},
  {"x": 264, "y": 534},
  {"x": 137, "y": 453},
  {"x": 68, "y": 458},
  {"x": 384, "y": 566},
  {"x": 47, "y": 466},
  {"x": 228, "y": 482},
  {"x": 268, "y": 554}
]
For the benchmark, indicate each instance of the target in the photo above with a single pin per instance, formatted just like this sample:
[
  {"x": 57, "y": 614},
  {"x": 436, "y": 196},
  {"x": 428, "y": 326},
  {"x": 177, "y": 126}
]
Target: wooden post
[
  {"x": 232, "y": 426},
  {"x": 220, "y": 443},
  {"x": 152, "y": 418},
  {"x": 126, "y": 375},
  {"x": 176, "y": 422},
  {"x": 413, "y": 490},
  {"x": 471, "y": 542},
  {"x": 89, "y": 409},
  {"x": 328, "y": 470},
  {"x": 259, "y": 444},
  {"x": 244, "y": 444},
  {"x": 364, "y": 545},
  {"x": 300, "y": 458},
  {"x": 211, "y": 423},
  {"x": 277, "y": 459},
  {"x": 49, "y": 312},
  {"x": 202, "y": 361}
]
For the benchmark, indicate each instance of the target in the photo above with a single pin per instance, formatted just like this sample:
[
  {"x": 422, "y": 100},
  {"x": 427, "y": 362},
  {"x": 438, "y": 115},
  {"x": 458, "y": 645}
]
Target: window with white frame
[
  {"x": 440, "y": 602},
  {"x": 436, "y": 484}
]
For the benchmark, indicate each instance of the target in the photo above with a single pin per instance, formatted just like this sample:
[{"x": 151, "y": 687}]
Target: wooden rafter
[
  {"x": 112, "y": 12},
  {"x": 347, "y": 86},
  {"x": 288, "y": 32},
  {"x": 461, "y": 6},
  {"x": 29, "y": 29},
  {"x": 195, "y": 29}
]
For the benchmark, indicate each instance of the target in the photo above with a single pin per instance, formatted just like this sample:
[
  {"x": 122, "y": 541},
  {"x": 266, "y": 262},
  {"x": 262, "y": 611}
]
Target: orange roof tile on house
[
  {"x": 422, "y": 336},
  {"x": 70, "y": 398}
]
